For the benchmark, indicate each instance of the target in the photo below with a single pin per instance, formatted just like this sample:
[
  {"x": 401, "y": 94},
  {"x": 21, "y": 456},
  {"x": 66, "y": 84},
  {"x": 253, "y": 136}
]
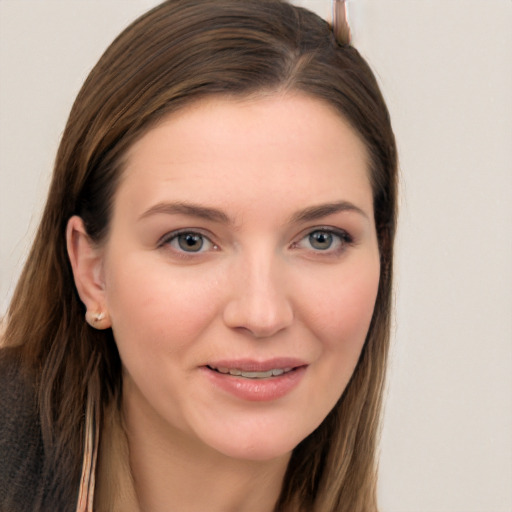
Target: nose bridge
[{"x": 259, "y": 301}]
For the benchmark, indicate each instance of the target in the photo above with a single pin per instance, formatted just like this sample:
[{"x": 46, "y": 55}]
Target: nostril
[{"x": 261, "y": 318}]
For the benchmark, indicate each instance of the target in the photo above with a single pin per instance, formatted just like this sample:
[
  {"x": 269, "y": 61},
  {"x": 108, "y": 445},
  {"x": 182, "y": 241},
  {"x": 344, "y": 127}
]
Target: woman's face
[{"x": 241, "y": 272}]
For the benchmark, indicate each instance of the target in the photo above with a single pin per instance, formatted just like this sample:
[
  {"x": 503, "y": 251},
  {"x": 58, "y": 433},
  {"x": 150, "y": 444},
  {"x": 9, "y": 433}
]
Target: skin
[{"x": 259, "y": 288}]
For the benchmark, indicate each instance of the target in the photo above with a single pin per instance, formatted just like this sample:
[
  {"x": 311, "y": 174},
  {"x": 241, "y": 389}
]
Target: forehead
[{"x": 231, "y": 148}]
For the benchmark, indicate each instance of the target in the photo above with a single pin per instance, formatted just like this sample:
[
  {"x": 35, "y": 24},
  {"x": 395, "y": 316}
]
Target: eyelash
[
  {"x": 172, "y": 237},
  {"x": 340, "y": 239}
]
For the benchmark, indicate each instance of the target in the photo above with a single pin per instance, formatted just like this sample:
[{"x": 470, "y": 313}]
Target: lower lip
[{"x": 256, "y": 390}]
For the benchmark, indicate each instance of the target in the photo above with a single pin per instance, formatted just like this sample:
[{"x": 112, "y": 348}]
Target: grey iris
[
  {"x": 321, "y": 240},
  {"x": 190, "y": 242}
]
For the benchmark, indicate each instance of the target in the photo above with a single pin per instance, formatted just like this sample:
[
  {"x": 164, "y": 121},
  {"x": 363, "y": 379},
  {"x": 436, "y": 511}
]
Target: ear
[{"x": 87, "y": 264}]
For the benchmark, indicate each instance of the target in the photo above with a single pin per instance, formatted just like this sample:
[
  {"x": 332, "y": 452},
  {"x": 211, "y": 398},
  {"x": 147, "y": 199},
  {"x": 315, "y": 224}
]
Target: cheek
[
  {"x": 341, "y": 305},
  {"x": 342, "y": 315},
  {"x": 153, "y": 305}
]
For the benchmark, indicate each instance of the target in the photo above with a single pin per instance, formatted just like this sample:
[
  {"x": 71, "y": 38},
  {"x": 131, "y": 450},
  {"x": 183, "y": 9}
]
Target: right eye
[{"x": 189, "y": 242}]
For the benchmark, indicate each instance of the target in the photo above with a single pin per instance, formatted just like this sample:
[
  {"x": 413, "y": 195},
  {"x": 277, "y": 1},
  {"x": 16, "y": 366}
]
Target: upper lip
[{"x": 252, "y": 365}]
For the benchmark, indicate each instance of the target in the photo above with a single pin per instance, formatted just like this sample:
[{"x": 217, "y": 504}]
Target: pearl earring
[
  {"x": 94, "y": 319},
  {"x": 98, "y": 317}
]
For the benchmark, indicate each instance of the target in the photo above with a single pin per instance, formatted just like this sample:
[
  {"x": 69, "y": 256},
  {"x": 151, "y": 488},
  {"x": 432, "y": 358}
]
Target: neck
[
  {"x": 187, "y": 481},
  {"x": 166, "y": 471}
]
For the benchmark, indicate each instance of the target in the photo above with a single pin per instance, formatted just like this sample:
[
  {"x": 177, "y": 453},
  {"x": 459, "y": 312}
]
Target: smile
[
  {"x": 256, "y": 381},
  {"x": 274, "y": 372}
]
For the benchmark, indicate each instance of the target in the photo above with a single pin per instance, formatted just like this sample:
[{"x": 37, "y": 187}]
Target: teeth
[
  {"x": 252, "y": 375},
  {"x": 255, "y": 375}
]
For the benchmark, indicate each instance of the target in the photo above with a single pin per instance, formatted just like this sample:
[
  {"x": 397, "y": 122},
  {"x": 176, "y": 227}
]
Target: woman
[{"x": 222, "y": 213}]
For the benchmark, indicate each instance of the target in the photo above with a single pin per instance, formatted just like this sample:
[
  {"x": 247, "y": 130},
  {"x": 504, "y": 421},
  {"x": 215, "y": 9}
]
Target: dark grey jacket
[{"x": 26, "y": 483}]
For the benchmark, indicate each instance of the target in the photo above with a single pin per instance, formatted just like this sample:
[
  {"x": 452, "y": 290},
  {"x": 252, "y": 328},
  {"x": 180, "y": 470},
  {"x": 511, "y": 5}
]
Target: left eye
[
  {"x": 189, "y": 241},
  {"x": 321, "y": 240},
  {"x": 325, "y": 240}
]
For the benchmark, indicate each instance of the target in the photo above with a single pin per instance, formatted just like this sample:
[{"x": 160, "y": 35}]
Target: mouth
[
  {"x": 256, "y": 381},
  {"x": 236, "y": 372}
]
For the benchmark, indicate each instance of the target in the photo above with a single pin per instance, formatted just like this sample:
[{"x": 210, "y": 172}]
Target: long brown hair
[{"x": 181, "y": 51}]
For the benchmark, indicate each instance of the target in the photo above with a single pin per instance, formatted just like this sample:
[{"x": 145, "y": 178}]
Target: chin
[
  {"x": 261, "y": 444},
  {"x": 260, "y": 452}
]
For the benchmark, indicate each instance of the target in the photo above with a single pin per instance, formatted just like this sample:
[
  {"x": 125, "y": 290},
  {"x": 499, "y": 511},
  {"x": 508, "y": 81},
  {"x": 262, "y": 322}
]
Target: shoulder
[{"x": 21, "y": 447}]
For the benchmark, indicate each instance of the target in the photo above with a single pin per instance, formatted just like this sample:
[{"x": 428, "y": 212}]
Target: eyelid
[
  {"x": 345, "y": 238},
  {"x": 166, "y": 240}
]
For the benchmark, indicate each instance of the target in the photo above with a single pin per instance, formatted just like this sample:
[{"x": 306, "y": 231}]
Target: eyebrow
[
  {"x": 213, "y": 214},
  {"x": 323, "y": 210},
  {"x": 193, "y": 210}
]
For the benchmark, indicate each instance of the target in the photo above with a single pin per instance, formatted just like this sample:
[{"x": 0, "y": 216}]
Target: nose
[{"x": 258, "y": 301}]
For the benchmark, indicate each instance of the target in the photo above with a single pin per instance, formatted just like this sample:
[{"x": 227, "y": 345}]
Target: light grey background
[{"x": 446, "y": 70}]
